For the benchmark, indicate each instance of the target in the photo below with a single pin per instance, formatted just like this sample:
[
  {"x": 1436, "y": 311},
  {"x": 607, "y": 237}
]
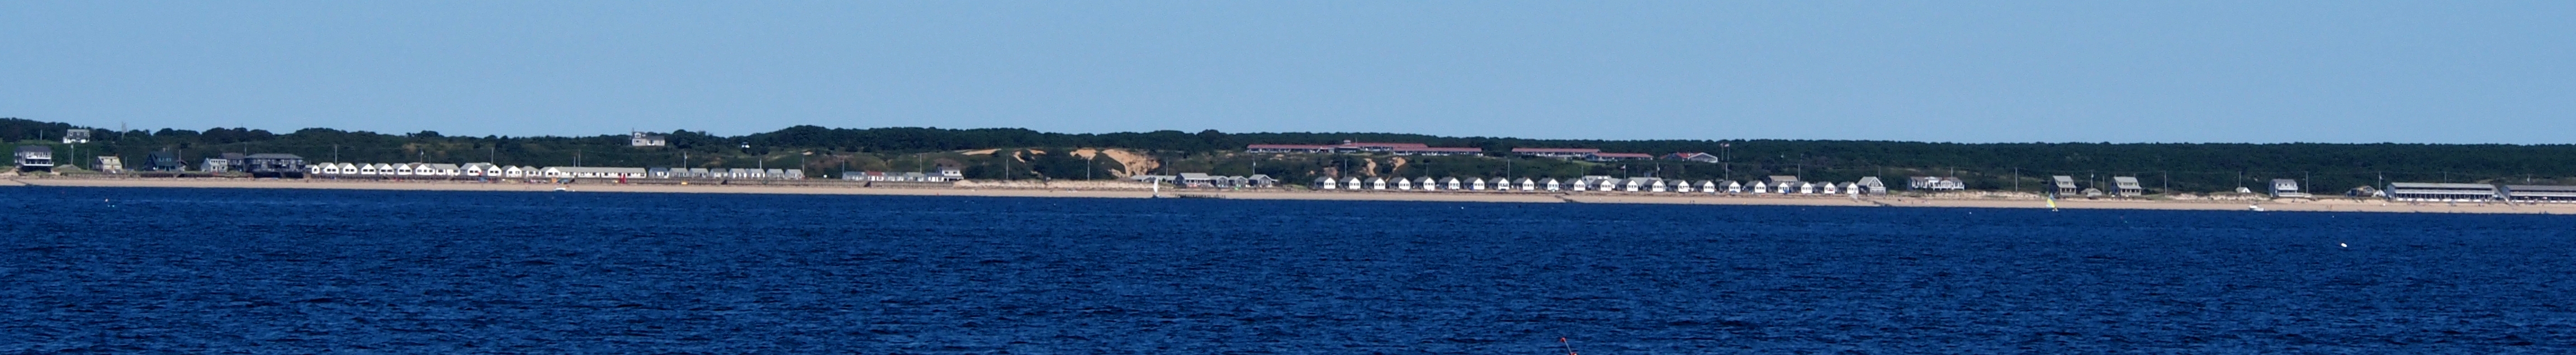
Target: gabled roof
[
  {"x": 269, "y": 156},
  {"x": 2540, "y": 188},
  {"x": 1624, "y": 155}
]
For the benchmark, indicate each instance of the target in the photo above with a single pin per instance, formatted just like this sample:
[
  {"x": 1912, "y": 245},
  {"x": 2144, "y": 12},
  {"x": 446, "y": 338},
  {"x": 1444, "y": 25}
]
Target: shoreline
[{"x": 2319, "y": 205}]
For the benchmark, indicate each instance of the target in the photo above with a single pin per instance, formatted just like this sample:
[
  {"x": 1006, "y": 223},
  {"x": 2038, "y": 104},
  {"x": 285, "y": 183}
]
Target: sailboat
[{"x": 2052, "y": 202}]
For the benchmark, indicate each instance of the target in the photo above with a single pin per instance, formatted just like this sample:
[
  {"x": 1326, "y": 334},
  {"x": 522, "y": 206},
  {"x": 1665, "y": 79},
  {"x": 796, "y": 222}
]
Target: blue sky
[{"x": 2056, "y": 71}]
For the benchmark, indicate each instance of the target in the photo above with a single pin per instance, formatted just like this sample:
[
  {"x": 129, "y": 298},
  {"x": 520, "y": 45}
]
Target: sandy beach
[{"x": 1096, "y": 190}]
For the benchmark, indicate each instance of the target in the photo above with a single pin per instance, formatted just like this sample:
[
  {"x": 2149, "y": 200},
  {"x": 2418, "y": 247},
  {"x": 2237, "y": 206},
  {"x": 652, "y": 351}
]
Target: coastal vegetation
[{"x": 1003, "y": 153}]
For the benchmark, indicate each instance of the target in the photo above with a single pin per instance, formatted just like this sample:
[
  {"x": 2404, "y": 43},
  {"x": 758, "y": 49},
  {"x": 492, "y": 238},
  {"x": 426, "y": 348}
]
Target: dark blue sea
[{"x": 208, "y": 271}]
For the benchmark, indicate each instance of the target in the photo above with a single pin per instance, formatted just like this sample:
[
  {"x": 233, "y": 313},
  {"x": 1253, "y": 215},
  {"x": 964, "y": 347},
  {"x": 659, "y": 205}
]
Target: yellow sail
[{"x": 2052, "y": 201}]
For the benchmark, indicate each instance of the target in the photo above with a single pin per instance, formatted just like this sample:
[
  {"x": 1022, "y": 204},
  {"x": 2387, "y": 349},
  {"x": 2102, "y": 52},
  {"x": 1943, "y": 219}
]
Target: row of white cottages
[
  {"x": 1867, "y": 185},
  {"x": 488, "y": 170}
]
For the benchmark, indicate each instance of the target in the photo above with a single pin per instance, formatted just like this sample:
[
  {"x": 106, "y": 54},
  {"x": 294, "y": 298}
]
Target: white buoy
[{"x": 2344, "y": 245}]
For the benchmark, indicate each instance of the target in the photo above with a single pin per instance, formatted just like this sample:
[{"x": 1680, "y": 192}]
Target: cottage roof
[
  {"x": 2437, "y": 185},
  {"x": 1625, "y": 155},
  {"x": 1194, "y": 176},
  {"x": 2540, "y": 188},
  {"x": 2126, "y": 182},
  {"x": 35, "y": 149},
  {"x": 1777, "y": 179},
  {"x": 2063, "y": 180},
  {"x": 268, "y": 156},
  {"x": 2285, "y": 183},
  {"x": 596, "y": 170}
]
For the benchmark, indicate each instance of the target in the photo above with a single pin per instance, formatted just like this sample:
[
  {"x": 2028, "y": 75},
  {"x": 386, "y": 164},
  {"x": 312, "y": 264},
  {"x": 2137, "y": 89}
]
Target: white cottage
[
  {"x": 1529, "y": 185},
  {"x": 1633, "y": 185},
  {"x": 1682, "y": 186},
  {"x": 1428, "y": 184},
  {"x": 1658, "y": 186},
  {"x": 1353, "y": 183},
  {"x": 1452, "y": 184},
  {"x": 1553, "y": 185},
  {"x": 440, "y": 170},
  {"x": 1807, "y": 188},
  {"x": 1829, "y": 188},
  {"x": 1475, "y": 184},
  {"x": 1404, "y": 184},
  {"x": 1377, "y": 183},
  {"x": 1326, "y": 183},
  {"x": 1761, "y": 188}
]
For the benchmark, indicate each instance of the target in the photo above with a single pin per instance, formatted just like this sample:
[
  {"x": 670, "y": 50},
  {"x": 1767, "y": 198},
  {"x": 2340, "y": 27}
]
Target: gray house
[
  {"x": 35, "y": 158},
  {"x": 2289, "y": 188},
  {"x": 159, "y": 161},
  {"x": 2127, "y": 186},
  {"x": 273, "y": 164},
  {"x": 2062, "y": 185}
]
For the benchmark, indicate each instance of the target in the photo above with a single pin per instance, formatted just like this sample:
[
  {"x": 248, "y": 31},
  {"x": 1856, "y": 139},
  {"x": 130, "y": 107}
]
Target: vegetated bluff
[{"x": 2328, "y": 168}]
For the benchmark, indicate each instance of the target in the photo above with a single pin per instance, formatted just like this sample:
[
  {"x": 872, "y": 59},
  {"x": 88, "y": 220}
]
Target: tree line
[{"x": 1034, "y": 154}]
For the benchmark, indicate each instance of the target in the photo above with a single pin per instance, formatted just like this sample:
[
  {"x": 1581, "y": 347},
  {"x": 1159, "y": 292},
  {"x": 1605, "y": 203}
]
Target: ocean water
[{"x": 204, "y": 271}]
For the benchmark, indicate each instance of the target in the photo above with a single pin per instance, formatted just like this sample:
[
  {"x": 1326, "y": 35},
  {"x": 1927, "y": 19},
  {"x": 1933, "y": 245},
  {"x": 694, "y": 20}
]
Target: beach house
[
  {"x": 273, "y": 165},
  {"x": 2289, "y": 188},
  {"x": 1197, "y": 180},
  {"x": 1935, "y": 183},
  {"x": 34, "y": 158},
  {"x": 1874, "y": 186},
  {"x": 2062, "y": 186},
  {"x": 2127, "y": 186},
  {"x": 2540, "y": 193},
  {"x": 2441, "y": 192}
]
